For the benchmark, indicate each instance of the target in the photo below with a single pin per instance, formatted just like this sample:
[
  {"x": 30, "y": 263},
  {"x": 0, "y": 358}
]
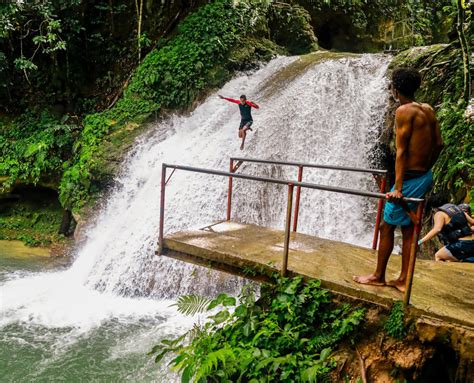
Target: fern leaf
[
  {"x": 211, "y": 361},
  {"x": 192, "y": 304}
]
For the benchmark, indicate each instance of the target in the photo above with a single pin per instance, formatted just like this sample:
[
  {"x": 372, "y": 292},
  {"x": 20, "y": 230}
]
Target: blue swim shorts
[{"x": 414, "y": 188}]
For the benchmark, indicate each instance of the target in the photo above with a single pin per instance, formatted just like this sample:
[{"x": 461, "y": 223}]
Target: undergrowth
[
  {"x": 35, "y": 223},
  {"x": 287, "y": 335},
  {"x": 395, "y": 324},
  {"x": 34, "y": 145}
]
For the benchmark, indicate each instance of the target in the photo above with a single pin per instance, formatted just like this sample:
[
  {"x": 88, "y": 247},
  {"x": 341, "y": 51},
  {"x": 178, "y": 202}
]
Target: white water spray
[{"x": 328, "y": 114}]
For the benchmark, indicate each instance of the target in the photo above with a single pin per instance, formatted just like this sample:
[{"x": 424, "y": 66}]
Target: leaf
[
  {"x": 187, "y": 374},
  {"x": 192, "y": 304},
  {"x": 221, "y": 316},
  {"x": 211, "y": 361},
  {"x": 325, "y": 354}
]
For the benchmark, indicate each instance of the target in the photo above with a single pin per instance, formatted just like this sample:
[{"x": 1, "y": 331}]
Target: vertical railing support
[
  {"x": 286, "y": 246},
  {"x": 413, "y": 250},
  {"x": 229, "y": 192},
  {"x": 383, "y": 185},
  {"x": 162, "y": 208},
  {"x": 297, "y": 200}
]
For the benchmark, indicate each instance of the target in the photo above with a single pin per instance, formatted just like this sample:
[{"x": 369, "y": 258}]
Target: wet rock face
[{"x": 290, "y": 27}]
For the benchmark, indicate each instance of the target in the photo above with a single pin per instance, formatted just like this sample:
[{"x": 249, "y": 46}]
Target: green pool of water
[{"x": 112, "y": 351}]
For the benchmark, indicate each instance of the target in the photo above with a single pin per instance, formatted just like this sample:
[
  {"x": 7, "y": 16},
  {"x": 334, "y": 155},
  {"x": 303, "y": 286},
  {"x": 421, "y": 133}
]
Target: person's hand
[
  {"x": 420, "y": 242},
  {"x": 394, "y": 196}
]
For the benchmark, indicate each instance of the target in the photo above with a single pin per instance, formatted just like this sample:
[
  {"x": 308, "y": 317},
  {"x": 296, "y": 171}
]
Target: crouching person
[{"x": 452, "y": 225}]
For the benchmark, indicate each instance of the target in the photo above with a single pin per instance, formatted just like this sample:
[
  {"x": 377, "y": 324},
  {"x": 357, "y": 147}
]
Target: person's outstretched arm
[
  {"x": 437, "y": 227},
  {"x": 229, "y": 99},
  {"x": 253, "y": 105}
]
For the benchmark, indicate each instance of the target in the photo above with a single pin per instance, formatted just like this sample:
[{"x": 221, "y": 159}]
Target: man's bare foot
[
  {"x": 369, "y": 280},
  {"x": 398, "y": 284}
]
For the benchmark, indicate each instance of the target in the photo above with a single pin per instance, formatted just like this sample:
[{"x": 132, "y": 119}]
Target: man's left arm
[
  {"x": 403, "y": 121},
  {"x": 253, "y": 105}
]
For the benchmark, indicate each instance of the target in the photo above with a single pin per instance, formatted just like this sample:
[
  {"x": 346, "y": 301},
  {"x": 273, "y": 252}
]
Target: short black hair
[
  {"x": 437, "y": 199},
  {"x": 406, "y": 81},
  {"x": 243, "y": 96}
]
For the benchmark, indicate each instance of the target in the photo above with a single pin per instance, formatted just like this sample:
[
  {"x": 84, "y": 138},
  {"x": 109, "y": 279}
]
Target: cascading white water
[{"x": 329, "y": 114}]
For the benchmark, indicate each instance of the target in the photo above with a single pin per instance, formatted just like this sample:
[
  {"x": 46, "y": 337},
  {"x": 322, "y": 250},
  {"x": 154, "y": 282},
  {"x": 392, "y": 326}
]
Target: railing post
[
  {"x": 162, "y": 208},
  {"x": 297, "y": 200},
  {"x": 229, "y": 192},
  {"x": 286, "y": 246},
  {"x": 379, "y": 213},
  {"x": 413, "y": 250}
]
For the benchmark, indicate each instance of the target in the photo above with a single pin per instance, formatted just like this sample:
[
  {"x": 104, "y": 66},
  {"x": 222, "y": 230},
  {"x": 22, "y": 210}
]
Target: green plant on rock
[
  {"x": 287, "y": 335},
  {"x": 395, "y": 324},
  {"x": 34, "y": 145},
  {"x": 455, "y": 167}
]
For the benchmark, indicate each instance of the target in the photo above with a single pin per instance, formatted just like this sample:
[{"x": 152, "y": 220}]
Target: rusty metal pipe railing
[
  {"x": 378, "y": 217},
  {"x": 310, "y": 165},
  {"x": 162, "y": 206},
  {"x": 297, "y": 201},
  {"x": 286, "y": 182},
  {"x": 291, "y": 185},
  {"x": 286, "y": 245},
  {"x": 229, "y": 191},
  {"x": 413, "y": 249},
  {"x": 302, "y": 165}
]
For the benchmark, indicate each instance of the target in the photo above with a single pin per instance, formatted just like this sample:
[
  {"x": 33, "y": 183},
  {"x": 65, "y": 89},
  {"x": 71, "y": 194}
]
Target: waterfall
[{"x": 329, "y": 113}]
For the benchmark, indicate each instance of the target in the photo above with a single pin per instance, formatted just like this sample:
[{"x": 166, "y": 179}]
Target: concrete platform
[{"x": 440, "y": 290}]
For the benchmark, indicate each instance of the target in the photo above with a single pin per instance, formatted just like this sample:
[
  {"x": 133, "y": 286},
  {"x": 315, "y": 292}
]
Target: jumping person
[
  {"x": 418, "y": 144},
  {"x": 453, "y": 227},
  {"x": 246, "y": 120}
]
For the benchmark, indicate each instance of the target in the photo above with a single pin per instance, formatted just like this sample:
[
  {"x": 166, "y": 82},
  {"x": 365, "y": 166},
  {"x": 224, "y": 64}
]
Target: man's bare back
[{"x": 424, "y": 137}]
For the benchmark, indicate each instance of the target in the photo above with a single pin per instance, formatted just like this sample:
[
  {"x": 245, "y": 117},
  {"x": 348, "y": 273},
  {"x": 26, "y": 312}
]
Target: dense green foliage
[
  {"x": 287, "y": 335},
  {"x": 175, "y": 74},
  {"x": 34, "y": 145},
  {"x": 454, "y": 170},
  {"x": 33, "y": 221},
  {"x": 76, "y": 183},
  {"x": 172, "y": 75},
  {"x": 395, "y": 324}
]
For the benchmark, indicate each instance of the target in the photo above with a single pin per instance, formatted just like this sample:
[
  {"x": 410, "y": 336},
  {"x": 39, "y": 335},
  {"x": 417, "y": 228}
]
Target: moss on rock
[{"x": 290, "y": 27}]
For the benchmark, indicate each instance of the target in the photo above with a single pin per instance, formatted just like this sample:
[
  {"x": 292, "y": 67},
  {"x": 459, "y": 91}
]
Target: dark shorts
[
  {"x": 462, "y": 250},
  {"x": 244, "y": 123}
]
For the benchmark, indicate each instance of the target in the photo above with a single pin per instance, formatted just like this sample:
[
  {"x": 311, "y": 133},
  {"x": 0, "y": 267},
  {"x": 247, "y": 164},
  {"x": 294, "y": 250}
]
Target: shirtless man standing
[{"x": 418, "y": 143}]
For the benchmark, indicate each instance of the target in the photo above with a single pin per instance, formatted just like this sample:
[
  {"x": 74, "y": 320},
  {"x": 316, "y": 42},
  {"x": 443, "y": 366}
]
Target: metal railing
[
  {"x": 301, "y": 165},
  {"x": 415, "y": 217}
]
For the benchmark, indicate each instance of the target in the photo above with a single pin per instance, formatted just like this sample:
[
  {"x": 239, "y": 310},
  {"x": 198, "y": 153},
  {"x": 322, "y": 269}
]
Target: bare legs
[
  {"x": 445, "y": 255},
  {"x": 243, "y": 134},
  {"x": 377, "y": 278},
  {"x": 407, "y": 237}
]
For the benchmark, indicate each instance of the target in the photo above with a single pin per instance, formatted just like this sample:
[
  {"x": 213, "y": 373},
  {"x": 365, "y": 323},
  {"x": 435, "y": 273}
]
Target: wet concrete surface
[{"x": 440, "y": 290}]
